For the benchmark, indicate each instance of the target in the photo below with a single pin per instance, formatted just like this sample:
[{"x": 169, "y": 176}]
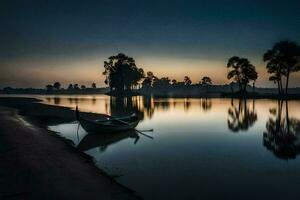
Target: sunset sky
[{"x": 68, "y": 41}]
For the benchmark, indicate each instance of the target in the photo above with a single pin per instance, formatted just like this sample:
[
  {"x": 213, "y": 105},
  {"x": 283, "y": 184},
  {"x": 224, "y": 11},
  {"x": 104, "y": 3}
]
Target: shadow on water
[
  {"x": 102, "y": 141},
  {"x": 240, "y": 116},
  {"x": 282, "y": 132}
]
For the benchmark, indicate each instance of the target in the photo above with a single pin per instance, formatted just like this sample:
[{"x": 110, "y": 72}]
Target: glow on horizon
[{"x": 38, "y": 72}]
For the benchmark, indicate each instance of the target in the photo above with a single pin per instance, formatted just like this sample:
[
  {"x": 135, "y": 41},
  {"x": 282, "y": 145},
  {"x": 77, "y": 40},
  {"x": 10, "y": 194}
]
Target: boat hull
[{"x": 96, "y": 127}]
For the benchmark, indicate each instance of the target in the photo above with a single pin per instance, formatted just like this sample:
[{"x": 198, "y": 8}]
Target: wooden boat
[{"x": 110, "y": 124}]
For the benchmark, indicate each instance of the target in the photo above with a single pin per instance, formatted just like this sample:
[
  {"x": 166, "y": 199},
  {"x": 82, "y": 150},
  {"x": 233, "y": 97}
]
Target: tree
[
  {"x": 174, "y": 82},
  {"x": 283, "y": 59},
  {"x": 122, "y": 73},
  {"x": 70, "y": 87},
  {"x": 241, "y": 71},
  {"x": 206, "y": 80},
  {"x": 83, "y": 87},
  {"x": 161, "y": 83},
  {"x": 187, "y": 81},
  {"x": 57, "y": 85},
  {"x": 275, "y": 69},
  {"x": 148, "y": 80},
  {"x": 76, "y": 87},
  {"x": 49, "y": 87},
  {"x": 94, "y": 85}
]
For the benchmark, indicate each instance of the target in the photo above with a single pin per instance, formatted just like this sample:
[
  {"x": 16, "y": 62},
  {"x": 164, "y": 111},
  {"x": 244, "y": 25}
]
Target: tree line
[
  {"x": 57, "y": 86},
  {"x": 123, "y": 75}
]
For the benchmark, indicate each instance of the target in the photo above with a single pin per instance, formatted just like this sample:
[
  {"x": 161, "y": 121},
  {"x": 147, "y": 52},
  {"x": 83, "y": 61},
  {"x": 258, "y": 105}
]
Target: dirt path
[{"x": 37, "y": 165}]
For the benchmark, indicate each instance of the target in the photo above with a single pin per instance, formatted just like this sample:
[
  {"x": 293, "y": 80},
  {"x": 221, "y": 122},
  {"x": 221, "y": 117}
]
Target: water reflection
[
  {"x": 143, "y": 106},
  {"x": 191, "y": 136},
  {"x": 56, "y": 100},
  {"x": 206, "y": 104},
  {"x": 240, "y": 116},
  {"x": 282, "y": 132},
  {"x": 102, "y": 141},
  {"x": 125, "y": 106}
]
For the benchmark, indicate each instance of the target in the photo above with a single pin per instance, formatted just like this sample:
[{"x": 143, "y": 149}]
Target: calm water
[{"x": 202, "y": 148}]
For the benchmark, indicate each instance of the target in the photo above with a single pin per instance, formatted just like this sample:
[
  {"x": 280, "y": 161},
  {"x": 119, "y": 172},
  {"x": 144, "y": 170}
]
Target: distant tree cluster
[{"x": 71, "y": 87}]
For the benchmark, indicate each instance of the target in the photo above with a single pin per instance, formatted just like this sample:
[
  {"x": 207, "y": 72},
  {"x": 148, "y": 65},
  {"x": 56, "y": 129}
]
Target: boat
[{"x": 109, "y": 124}]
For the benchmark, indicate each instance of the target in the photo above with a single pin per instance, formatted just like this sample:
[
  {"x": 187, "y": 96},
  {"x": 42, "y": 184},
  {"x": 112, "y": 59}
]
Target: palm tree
[
  {"x": 94, "y": 85},
  {"x": 242, "y": 71},
  {"x": 283, "y": 59},
  {"x": 206, "y": 80}
]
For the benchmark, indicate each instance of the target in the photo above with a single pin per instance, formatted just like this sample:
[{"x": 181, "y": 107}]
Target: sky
[{"x": 68, "y": 41}]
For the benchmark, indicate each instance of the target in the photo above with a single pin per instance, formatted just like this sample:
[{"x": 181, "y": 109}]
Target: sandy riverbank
[{"x": 39, "y": 165}]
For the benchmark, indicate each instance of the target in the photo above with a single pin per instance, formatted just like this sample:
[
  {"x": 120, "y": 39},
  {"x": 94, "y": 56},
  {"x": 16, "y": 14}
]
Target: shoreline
[{"x": 38, "y": 163}]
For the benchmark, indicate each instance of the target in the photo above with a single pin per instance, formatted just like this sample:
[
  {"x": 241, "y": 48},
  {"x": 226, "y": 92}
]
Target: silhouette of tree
[
  {"x": 83, "y": 87},
  {"x": 282, "y": 135},
  {"x": 94, "y": 85},
  {"x": 76, "y": 87},
  {"x": 240, "y": 117},
  {"x": 275, "y": 69},
  {"x": 163, "y": 82},
  {"x": 242, "y": 71},
  {"x": 70, "y": 87},
  {"x": 56, "y": 85},
  {"x": 49, "y": 87},
  {"x": 283, "y": 59},
  {"x": 206, "y": 80},
  {"x": 174, "y": 82},
  {"x": 178, "y": 84},
  {"x": 121, "y": 73},
  {"x": 187, "y": 81},
  {"x": 148, "y": 81}
]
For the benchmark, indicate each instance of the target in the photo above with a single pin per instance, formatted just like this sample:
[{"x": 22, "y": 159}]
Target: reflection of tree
[
  {"x": 125, "y": 106},
  {"x": 241, "y": 118},
  {"x": 187, "y": 104},
  {"x": 206, "y": 104},
  {"x": 162, "y": 105},
  {"x": 282, "y": 133},
  {"x": 94, "y": 99},
  {"x": 148, "y": 108},
  {"x": 56, "y": 100}
]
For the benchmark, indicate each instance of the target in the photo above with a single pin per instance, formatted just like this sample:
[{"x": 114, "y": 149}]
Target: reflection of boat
[
  {"x": 103, "y": 140},
  {"x": 108, "y": 124}
]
